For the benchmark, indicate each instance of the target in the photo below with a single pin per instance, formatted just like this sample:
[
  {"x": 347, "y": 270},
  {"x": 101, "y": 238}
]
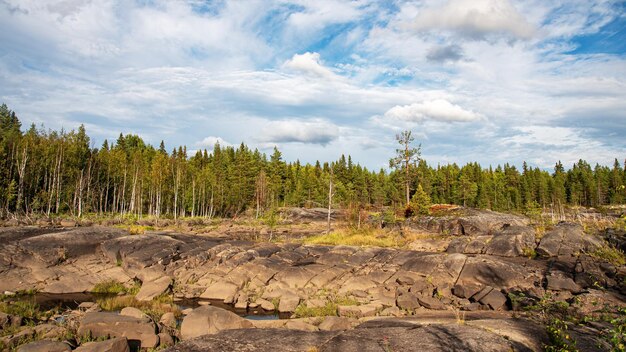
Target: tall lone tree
[{"x": 405, "y": 156}]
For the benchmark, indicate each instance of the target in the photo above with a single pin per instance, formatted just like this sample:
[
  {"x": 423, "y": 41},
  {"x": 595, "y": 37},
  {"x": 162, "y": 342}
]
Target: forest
[{"x": 47, "y": 172}]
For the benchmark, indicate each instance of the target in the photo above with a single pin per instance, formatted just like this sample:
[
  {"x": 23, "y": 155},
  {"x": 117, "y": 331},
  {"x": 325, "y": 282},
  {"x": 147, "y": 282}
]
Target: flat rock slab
[
  {"x": 394, "y": 335},
  {"x": 99, "y": 324}
]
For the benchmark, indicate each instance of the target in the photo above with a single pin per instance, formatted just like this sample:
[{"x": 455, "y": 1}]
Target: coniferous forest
[{"x": 58, "y": 172}]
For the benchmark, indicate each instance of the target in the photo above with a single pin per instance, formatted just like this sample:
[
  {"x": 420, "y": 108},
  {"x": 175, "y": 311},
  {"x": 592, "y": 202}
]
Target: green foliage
[
  {"x": 109, "y": 287},
  {"x": 610, "y": 254},
  {"x": 560, "y": 339},
  {"x": 421, "y": 201},
  {"x": 329, "y": 309},
  {"x": 155, "y": 308},
  {"x": 130, "y": 179}
]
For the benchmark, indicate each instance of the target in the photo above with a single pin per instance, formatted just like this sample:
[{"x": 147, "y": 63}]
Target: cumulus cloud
[
  {"x": 314, "y": 131},
  {"x": 438, "y": 110},
  {"x": 308, "y": 63},
  {"x": 475, "y": 19},
  {"x": 210, "y": 141},
  {"x": 445, "y": 53}
]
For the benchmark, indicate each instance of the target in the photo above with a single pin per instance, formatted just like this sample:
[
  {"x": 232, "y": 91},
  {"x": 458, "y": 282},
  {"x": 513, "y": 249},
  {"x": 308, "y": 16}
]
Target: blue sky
[{"x": 492, "y": 81}]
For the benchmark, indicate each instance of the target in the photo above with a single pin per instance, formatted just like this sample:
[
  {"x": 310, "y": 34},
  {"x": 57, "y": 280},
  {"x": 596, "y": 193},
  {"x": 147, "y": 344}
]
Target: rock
[
  {"x": 100, "y": 324},
  {"x": 44, "y": 346},
  {"x": 68, "y": 223},
  {"x": 221, "y": 290},
  {"x": 391, "y": 312},
  {"x": 288, "y": 303},
  {"x": 5, "y": 320},
  {"x": 407, "y": 301},
  {"x": 375, "y": 335},
  {"x": 242, "y": 302},
  {"x": 494, "y": 299},
  {"x": 25, "y": 333},
  {"x": 119, "y": 344},
  {"x": 166, "y": 340},
  {"x": 567, "y": 239},
  {"x": 168, "y": 320},
  {"x": 335, "y": 323},
  {"x": 560, "y": 283},
  {"x": 512, "y": 241},
  {"x": 466, "y": 290},
  {"x": 87, "y": 306},
  {"x": 300, "y": 325},
  {"x": 430, "y": 302},
  {"x": 349, "y": 311},
  {"x": 135, "y": 313},
  {"x": 210, "y": 320},
  {"x": 265, "y": 304},
  {"x": 150, "y": 290},
  {"x": 50, "y": 331}
]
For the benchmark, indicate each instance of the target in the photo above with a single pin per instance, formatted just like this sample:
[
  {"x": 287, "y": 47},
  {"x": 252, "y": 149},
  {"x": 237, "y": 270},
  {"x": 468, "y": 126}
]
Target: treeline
[{"x": 53, "y": 172}]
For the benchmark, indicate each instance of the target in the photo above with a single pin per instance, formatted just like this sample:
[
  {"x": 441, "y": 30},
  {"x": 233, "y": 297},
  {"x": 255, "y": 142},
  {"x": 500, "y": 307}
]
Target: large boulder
[
  {"x": 210, "y": 320},
  {"x": 567, "y": 239},
  {"x": 136, "y": 330}
]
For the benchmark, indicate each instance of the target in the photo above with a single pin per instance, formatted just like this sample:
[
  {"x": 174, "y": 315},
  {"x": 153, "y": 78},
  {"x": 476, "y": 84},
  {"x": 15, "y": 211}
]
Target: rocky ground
[{"x": 475, "y": 281}]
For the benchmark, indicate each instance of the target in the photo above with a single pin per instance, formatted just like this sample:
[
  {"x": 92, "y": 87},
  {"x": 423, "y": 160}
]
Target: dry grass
[
  {"x": 155, "y": 308},
  {"x": 360, "y": 238}
]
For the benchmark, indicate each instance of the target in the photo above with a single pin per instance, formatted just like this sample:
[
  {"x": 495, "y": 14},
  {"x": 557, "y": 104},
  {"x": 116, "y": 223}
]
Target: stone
[
  {"x": 265, "y": 304},
  {"x": 288, "y": 303},
  {"x": 430, "y": 302},
  {"x": 101, "y": 324},
  {"x": 375, "y": 335},
  {"x": 166, "y": 340},
  {"x": 391, "y": 312},
  {"x": 135, "y": 313},
  {"x": 242, "y": 302},
  {"x": 335, "y": 323},
  {"x": 349, "y": 311},
  {"x": 494, "y": 299},
  {"x": 560, "y": 283},
  {"x": 68, "y": 223},
  {"x": 119, "y": 344},
  {"x": 151, "y": 289},
  {"x": 5, "y": 320},
  {"x": 168, "y": 320},
  {"x": 300, "y": 325},
  {"x": 221, "y": 290},
  {"x": 210, "y": 320},
  {"x": 465, "y": 290},
  {"x": 407, "y": 301},
  {"x": 45, "y": 346}
]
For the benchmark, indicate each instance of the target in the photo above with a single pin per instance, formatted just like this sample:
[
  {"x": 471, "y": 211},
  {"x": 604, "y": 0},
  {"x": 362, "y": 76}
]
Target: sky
[{"x": 492, "y": 81}]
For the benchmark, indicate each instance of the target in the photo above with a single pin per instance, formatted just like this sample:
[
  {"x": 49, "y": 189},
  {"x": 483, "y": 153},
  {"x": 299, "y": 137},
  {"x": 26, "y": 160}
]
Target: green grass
[
  {"x": 329, "y": 309},
  {"x": 154, "y": 309},
  {"x": 109, "y": 287},
  {"x": 610, "y": 254}
]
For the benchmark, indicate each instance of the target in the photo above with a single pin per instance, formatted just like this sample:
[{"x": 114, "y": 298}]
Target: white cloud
[
  {"x": 308, "y": 63},
  {"x": 316, "y": 131},
  {"x": 438, "y": 109},
  {"x": 475, "y": 18},
  {"x": 210, "y": 141}
]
